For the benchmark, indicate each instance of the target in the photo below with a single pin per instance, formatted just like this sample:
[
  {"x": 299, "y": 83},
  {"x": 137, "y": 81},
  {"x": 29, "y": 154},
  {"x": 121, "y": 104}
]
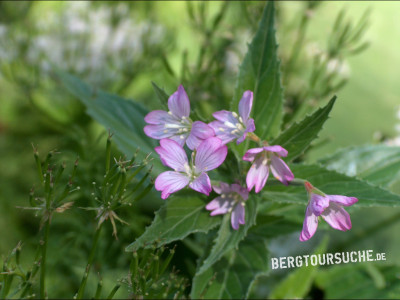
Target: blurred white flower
[
  {"x": 337, "y": 66},
  {"x": 92, "y": 40}
]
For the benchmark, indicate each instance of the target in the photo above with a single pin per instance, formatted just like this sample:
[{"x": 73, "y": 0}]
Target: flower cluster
[{"x": 175, "y": 129}]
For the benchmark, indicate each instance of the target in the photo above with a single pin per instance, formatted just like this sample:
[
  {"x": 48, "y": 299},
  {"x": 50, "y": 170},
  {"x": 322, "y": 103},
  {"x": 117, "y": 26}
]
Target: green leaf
[
  {"x": 360, "y": 281},
  {"x": 271, "y": 226},
  {"x": 259, "y": 72},
  {"x": 233, "y": 275},
  {"x": 228, "y": 238},
  {"x": 161, "y": 95},
  {"x": 377, "y": 164},
  {"x": 298, "y": 283},
  {"x": 125, "y": 119},
  {"x": 298, "y": 137},
  {"x": 176, "y": 219},
  {"x": 331, "y": 183}
]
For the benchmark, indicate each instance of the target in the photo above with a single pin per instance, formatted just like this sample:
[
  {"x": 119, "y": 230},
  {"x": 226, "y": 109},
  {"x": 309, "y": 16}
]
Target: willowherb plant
[{"x": 210, "y": 153}]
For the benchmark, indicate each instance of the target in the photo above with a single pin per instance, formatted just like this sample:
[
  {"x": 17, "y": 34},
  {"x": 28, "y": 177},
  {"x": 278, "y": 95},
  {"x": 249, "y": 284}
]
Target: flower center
[
  {"x": 234, "y": 199},
  {"x": 178, "y": 126},
  {"x": 238, "y": 128}
]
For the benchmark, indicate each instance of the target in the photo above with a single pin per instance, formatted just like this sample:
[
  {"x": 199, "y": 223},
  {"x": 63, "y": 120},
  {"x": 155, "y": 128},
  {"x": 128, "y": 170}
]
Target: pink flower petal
[
  {"x": 157, "y": 132},
  {"x": 210, "y": 154},
  {"x": 277, "y": 149},
  {"x": 200, "y": 131},
  {"x": 172, "y": 155},
  {"x": 318, "y": 204},
  {"x": 222, "y": 132},
  {"x": 251, "y": 153},
  {"x": 160, "y": 117},
  {"x": 342, "y": 200},
  {"x": 216, "y": 203},
  {"x": 310, "y": 225},
  {"x": 245, "y": 105},
  {"x": 226, "y": 116},
  {"x": 169, "y": 182},
  {"x": 250, "y": 126},
  {"x": 257, "y": 175},
  {"x": 242, "y": 191},
  {"x": 241, "y": 139},
  {"x": 237, "y": 216},
  {"x": 178, "y": 103},
  {"x": 221, "y": 206},
  {"x": 280, "y": 170},
  {"x": 177, "y": 138},
  {"x": 337, "y": 217},
  {"x": 222, "y": 188},
  {"x": 201, "y": 184}
]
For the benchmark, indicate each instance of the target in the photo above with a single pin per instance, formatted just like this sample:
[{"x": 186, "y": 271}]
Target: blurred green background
[{"x": 122, "y": 47}]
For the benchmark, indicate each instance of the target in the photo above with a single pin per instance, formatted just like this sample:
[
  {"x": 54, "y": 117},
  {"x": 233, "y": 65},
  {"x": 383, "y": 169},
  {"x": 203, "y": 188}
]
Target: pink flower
[
  {"x": 265, "y": 159},
  {"x": 232, "y": 201},
  {"x": 327, "y": 206},
  {"x": 210, "y": 154},
  {"x": 230, "y": 125},
  {"x": 176, "y": 124}
]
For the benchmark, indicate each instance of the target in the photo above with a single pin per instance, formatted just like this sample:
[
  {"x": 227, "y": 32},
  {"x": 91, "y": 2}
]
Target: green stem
[
  {"x": 89, "y": 263},
  {"x": 297, "y": 181},
  {"x": 43, "y": 260}
]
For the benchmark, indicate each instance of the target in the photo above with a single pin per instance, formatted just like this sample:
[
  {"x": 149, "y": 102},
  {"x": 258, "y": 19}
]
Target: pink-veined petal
[
  {"x": 222, "y": 188},
  {"x": 242, "y": 191},
  {"x": 318, "y": 204},
  {"x": 337, "y": 217},
  {"x": 310, "y": 225},
  {"x": 193, "y": 141},
  {"x": 279, "y": 150},
  {"x": 237, "y": 216},
  {"x": 245, "y": 105},
  {"x": 210, "y": 154},
  {"x": 219, "y": 206},
  {"x": 200, "y": 132},
  {"x": 180, "y": 138},
  {"x": 170, "y": 182},
  {"x": 252, "y": 153},
  {"x": 280, "y": 170},
  {"x": 250, "y": 126},
  {"x": 178, "y": 103},
  {"x": 158, "y": 132},
  {"x": 160, "y": 117},
  {"x": 172, "y": 155},
  {"x": 226, "y": 117},
  {"x": 257, "y": 175},
  {"x": 241, "y": 139},
  {"x": 342, "y": 200},
  {"x": 215, "y": 203},
  {"x": 222, "y": 132},
  {"x": 201, "y": 184}
]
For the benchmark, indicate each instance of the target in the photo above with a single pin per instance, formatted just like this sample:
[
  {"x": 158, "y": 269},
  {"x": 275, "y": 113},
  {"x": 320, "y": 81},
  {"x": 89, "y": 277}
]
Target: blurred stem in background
[{"x": 329, "y": 70}]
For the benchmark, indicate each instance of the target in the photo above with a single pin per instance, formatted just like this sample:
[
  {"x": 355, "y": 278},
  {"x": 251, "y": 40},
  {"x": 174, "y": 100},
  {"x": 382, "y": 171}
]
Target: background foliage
[{"x": 115, "y": 51}]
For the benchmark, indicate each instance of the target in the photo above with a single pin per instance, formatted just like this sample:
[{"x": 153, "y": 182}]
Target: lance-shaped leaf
[
  {"x": 377, "y": 164},
  {"x": 176, "y": 219},
  {"x": 233, "y": 275},
  {"x": 259, "y": 72},
  {"x": 298, "y": 137},
  {"x": 161, "y": 95},
  {"x": 228, "y": 238},
  {"x": 124, "y": 118},
  {"x": 332, "y": 183}
]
